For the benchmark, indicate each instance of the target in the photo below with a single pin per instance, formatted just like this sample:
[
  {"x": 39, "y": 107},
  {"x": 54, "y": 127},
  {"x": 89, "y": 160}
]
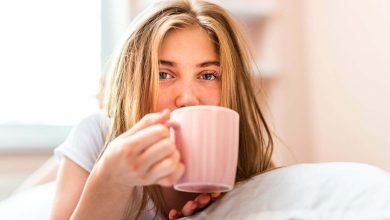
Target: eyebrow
[{"x": 203, "y": 64}]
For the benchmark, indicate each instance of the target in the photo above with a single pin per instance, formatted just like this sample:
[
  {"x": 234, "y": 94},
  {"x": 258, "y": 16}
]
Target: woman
[{"x": 176, "y": 54}]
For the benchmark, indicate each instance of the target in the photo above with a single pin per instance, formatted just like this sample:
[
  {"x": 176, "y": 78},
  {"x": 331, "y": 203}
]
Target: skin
[
  {"x": 145, "y": 154},
  {"x": 189, "y": 70},
  {"x": 189, "y": 75}
]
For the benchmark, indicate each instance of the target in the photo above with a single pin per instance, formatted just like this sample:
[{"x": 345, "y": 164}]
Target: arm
[
  {"x": 70, "y": 183},
  {"x": 143, "y": 155},
  {"x": 83, "y": 196},
  {"x": 102, "y": 197}
]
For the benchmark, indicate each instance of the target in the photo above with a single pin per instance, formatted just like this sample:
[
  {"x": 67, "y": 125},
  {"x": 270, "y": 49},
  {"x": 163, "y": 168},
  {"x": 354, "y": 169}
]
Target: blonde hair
[{"x": 133, "y": 88}]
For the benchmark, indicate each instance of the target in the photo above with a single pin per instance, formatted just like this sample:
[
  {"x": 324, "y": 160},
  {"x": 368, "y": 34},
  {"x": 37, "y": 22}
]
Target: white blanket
[{"x": 305, "y": 191}]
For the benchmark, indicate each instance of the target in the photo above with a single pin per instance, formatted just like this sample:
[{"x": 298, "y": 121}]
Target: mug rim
[{"x": 199, "y": 107}]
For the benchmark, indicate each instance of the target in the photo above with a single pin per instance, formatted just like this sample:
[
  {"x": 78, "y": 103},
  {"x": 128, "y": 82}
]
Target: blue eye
[
  {"x": 209, "y": 76},
  {"x": 164, "y": 75}
]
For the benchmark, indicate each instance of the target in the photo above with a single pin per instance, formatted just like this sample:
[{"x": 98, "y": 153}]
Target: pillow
[
  {"x": 305, "y": 191},
  {"x": 34, "y": 203},
  {"x": 308, "y": 191}
]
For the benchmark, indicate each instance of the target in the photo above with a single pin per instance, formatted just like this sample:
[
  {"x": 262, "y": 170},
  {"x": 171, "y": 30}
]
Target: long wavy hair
[{"x": 132, "y": 90}]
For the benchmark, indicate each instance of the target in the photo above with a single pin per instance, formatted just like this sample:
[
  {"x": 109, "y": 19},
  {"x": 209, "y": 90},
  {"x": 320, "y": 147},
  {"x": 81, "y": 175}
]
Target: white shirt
[{"x": 85, "y": 141}]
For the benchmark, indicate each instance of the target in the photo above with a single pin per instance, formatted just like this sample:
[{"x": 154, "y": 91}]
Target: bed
[{"x": 305, "y": 191}]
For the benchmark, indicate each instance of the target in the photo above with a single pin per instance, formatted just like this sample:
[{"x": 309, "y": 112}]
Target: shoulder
[
  {"x": 86, "y": 140},
  {"x": 98, "y": 119},
  {"x": 93, "y": 129},
  {"x": 95, "y": 123}
]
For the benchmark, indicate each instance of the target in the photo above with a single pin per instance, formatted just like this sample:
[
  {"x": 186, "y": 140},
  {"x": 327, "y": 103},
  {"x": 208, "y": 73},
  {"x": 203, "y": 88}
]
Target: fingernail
[
  {"x": 215, "y": 194},
  {"x": 173, "y": 214}
]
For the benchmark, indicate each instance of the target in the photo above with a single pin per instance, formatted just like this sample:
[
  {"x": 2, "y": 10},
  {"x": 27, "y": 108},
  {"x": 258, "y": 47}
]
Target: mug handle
[
  {"x": 174, "y": 127},
  {"x": 172, "y": 124}
]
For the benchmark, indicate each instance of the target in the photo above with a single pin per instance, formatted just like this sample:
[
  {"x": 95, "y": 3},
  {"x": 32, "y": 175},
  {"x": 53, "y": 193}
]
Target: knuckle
[
  {"x": 172, "y": 145},
  {"x": 132, "y": 143},
  {"x": 168, "y": 163},
  {"x": 166, "y": 181},
  {"x": 146, "y": 119},
  {"x": 177, "y": 154},
  {"x": 149, "y": 119},
  {"x": 146, "y": 179},
  {"x": 162, "y": 130},
  {"x": 169, "y": 146},
  {"x": 166, "y": 167},
  {"x": 123, "y": 148},
  {"x": 134, "y": 168},
  {"x": 176, "y": 157}
]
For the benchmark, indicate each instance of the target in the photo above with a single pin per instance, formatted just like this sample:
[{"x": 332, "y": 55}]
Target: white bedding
[
  {"x": 31, "y": 204},
  {"x": 308, "y": 191},
  {"x": 305, "y": 191}
]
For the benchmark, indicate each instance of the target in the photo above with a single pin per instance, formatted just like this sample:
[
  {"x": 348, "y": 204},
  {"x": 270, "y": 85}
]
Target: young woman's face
[{"x": 189, "y": 70}]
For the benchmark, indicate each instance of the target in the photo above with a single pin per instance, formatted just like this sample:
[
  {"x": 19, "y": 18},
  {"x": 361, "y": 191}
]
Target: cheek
[
  {"x": 211, "y": 96},
  {"x": 164, "y": 102}
]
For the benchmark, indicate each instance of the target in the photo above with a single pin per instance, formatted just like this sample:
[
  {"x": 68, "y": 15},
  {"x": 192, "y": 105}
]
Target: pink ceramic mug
[{"x": 207, "y": 138}]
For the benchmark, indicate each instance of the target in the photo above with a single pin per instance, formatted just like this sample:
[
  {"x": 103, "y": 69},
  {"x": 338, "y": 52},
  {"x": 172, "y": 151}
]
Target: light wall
[
  {"x": 347, "y": 57},
  {"x": 331, "y": 100}
]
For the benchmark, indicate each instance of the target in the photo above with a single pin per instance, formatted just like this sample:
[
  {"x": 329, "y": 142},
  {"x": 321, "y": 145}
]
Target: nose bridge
[
  {"x": 187, "y": 93},
  {"x": 187, "y": 85}
]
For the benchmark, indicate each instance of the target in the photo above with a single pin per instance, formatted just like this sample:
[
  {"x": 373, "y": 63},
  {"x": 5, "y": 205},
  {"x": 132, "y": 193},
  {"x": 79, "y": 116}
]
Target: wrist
[
  {"x": 102, "y": 197},
  {"x": 103, "y": 176}
]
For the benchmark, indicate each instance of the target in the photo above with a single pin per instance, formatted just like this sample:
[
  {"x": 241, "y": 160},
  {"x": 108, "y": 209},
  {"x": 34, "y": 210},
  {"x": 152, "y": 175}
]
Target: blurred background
[{"x": 323, "y": 74}]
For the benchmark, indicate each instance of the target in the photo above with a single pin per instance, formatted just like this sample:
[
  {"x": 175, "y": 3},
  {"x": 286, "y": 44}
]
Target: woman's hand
[
  {"x": 143, "y": 155},
  {"x": 193, "y": 206}
]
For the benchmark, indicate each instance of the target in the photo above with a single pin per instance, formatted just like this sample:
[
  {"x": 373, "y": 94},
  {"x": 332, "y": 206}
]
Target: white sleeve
[{"x": 85, "y": 141}]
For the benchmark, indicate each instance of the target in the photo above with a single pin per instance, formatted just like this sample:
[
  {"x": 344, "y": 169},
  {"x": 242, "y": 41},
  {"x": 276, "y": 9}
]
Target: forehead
[{"x": 191, "y": 42}]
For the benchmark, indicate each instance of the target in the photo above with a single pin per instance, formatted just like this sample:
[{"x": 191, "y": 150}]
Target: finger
[
  {"x": 173, "y": 178},
  {"x": 189, "y": 208},
  {"x": 143, "y": 139},
  {"x": 215, "y": 195},
  {"x": 148, "y": 120},
  {"x": 174, "y": 214},
  {"x": 203, "y": 200},
  {"x": 155, "y": 153},
  {"x": 166, "y": 167}
]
